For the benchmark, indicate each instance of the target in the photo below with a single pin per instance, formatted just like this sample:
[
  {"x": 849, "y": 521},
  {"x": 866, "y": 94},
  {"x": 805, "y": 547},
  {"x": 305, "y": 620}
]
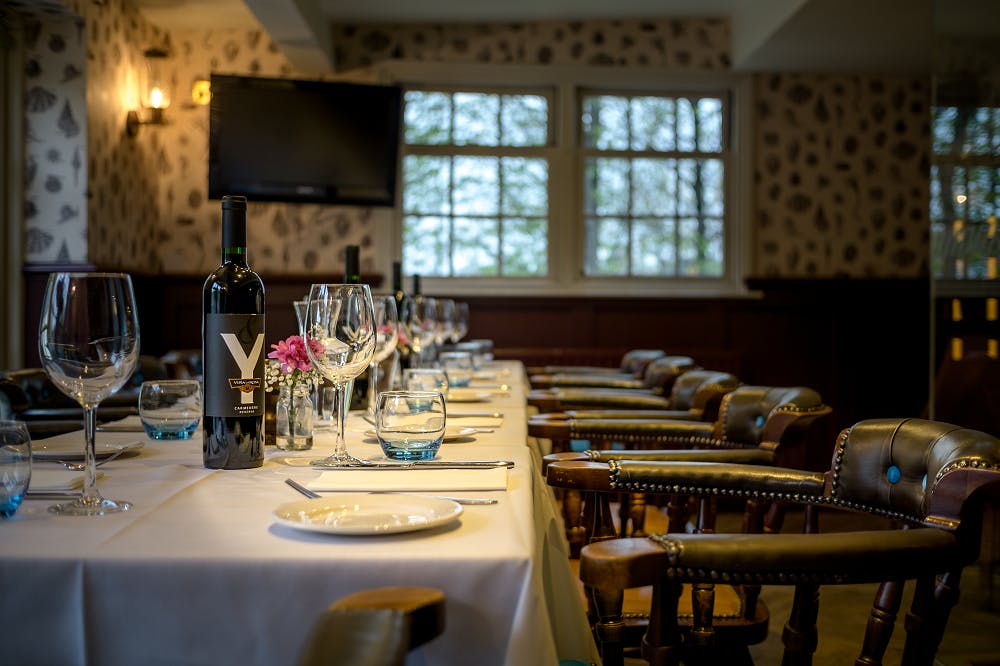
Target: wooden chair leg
[
  {"x": 609, "y": 628},
  {"x": 799, "y": 636},
  {"x": 928, "y": 616},
  {"x": 661, "y": 646},
  {"x": 574, "y": 521},
  {"x": 775, "y": 518},
  {"x": 677, "y": 514},
  {"x": 880, "y": 623},
  {"x": 633, "y": 515}
]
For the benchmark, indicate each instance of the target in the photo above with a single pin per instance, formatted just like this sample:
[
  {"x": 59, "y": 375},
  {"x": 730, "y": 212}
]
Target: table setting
[{"x": 236, "y": 544}]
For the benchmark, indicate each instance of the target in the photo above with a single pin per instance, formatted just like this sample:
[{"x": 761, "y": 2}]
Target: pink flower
[{"x": 291, "y": 353}]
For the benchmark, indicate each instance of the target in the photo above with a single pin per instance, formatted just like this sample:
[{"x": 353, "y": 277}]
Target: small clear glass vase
[{"x": 293, "y": 428}]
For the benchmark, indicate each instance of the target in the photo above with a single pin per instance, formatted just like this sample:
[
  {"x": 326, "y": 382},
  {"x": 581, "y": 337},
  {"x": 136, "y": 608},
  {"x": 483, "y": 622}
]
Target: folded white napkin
[
  {"x": 49, "y": 480},
  {"x": 128, "y": 424},
  {"x": 493, "y": 478},
  {"x": 475, "y": 422}
]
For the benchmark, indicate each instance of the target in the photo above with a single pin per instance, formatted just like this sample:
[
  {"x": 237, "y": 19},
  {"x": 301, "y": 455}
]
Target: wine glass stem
[
  {"x": 372, "y": 387},
  {"x": 89, "y": 456},
  {"x": 340, "y": 448}
]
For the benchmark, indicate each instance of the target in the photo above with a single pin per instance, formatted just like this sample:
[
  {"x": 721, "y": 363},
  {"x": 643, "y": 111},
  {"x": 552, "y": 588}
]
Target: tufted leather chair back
[
  {"x": 912, "y": 469},
  {"x": 663, "y": 372},
  {"x": 748, "y": 414},
  {"x": 701, "y": 391},
  {"x": 635, "y": 361},
  {"x": 39, "y": 390}
]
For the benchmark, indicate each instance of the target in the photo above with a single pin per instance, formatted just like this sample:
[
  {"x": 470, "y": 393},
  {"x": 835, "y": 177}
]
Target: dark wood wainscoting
[{"x": 863, "y": 344}]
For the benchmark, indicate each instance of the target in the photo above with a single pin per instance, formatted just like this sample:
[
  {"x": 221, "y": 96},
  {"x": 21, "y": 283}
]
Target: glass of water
[
  {"x": 458, "y": 366},
  {"x": 15, "y": 465},
  {"x": 170, "y": 408},
  {"x": 410, "y": 424}
]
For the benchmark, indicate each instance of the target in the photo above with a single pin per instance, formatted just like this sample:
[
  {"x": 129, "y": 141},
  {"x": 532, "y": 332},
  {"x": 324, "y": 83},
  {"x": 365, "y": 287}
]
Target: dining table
[{"x": 203, "y": 571}]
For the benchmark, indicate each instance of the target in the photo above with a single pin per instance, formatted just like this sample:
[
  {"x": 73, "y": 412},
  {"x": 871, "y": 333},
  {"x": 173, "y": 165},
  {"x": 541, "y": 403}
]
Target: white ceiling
[{"x": 883, "y": 36}]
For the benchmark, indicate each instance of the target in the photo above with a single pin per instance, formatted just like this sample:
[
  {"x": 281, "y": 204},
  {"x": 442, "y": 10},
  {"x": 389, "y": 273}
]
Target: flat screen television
[{"x": 303, "y": 141}]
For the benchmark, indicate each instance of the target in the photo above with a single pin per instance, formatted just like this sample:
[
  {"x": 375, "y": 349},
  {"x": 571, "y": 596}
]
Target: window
[
  {"x": 965, "y": 192},
  {"x": 549, "y": 180},
  {"x": 653, "y": 185},
  {"x": 475, "y": 192}
]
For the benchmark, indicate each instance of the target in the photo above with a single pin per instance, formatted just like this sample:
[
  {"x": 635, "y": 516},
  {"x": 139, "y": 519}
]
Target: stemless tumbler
[
  {"x": 410, "y": 424},
  {"x": 15, "y": 465}
]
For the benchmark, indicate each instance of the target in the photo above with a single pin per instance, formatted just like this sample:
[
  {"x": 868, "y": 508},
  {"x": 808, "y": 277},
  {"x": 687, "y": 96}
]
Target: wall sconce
[{"x": 155, "y": 93}]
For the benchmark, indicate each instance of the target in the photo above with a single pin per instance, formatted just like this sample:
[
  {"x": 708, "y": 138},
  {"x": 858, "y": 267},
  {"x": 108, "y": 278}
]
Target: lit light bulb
[{"x": 156, "y": 98}]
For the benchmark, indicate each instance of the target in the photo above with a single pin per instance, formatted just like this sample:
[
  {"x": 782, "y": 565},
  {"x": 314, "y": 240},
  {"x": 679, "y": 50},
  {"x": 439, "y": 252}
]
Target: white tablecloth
[{"x": 199, "y": 572}]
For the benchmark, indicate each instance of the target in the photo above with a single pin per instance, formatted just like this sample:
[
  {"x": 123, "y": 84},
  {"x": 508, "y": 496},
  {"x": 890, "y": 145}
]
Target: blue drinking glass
[{"x": 15, "y": 465}]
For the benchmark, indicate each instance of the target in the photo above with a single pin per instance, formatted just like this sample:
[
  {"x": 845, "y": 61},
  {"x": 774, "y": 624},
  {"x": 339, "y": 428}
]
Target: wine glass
[
  {"x": 88, "y": 341},
  {"x": 386, "y": 336},
  {"x": 445, "y": 322},
  {"x": 423, "y": 324},
  {"x": 341, "y": 317},
  {"x": 461, "y": 327}
]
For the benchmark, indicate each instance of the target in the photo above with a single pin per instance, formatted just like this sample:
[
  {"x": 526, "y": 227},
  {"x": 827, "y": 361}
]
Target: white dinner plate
[
  {"x": 71, "y": 450},
  {"x": 368, "y": 514},
  {"x": 467, "y": 395},
  {"x": 450, "y": 433}
]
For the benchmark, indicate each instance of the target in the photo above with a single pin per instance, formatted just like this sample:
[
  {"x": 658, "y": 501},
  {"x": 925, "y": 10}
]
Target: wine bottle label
[{"x": 234, "y": 365}]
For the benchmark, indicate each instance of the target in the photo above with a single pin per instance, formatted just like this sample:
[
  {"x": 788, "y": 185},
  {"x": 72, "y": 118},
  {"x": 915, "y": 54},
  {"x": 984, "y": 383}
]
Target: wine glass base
[
  {"x": 93, "y": 506},
  {"x": 337, "y": 460}
]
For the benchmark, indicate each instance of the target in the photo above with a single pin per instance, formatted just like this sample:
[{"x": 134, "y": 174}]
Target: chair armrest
[
  {"x": 707, "y": 478},
  {"x": 669, "y": 433},
  {"x": 613, "y": 414},
  {"x": 560, "y": 425},
  {"x": 727, "y": 456},
  {"x": 775, "y": 559}
]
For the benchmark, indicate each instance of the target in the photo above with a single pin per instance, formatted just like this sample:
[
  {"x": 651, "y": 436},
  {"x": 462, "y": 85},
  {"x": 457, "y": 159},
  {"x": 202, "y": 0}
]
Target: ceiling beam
[{"x": 300, "y": 30}]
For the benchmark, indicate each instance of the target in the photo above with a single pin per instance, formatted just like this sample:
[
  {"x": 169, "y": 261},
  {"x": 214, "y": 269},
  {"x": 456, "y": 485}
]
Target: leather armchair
[
  {"x": 767, "y": 423},
  {"x": 633, "y": 364},
  {"x": 652, "y": 376},
  {"x": 48, "y": 411},
  {"x": 375, "y": 627},
  {"x": 650, "y": 392},
  {"x": 929, "y": 478}
]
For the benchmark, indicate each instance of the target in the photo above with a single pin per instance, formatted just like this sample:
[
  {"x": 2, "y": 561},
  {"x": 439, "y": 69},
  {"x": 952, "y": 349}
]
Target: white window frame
[{"x": 566, "y": 277}]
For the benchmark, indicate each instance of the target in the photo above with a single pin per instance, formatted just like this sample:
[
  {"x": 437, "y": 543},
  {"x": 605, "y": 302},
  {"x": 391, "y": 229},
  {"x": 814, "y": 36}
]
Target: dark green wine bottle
[
  {"x": 232, "y": 348},
  {"x": 352, "y": 264}
]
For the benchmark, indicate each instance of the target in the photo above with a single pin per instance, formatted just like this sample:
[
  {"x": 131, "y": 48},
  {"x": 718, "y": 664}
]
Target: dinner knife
[
  {"x": 417, "y": 464},
  {"x": 475, "y": 415},
  {"x": 461, "y": 500}
]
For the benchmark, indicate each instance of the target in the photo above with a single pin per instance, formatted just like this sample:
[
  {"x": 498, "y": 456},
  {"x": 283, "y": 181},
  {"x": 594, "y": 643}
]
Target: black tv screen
[{"x": 303, "y": 141}]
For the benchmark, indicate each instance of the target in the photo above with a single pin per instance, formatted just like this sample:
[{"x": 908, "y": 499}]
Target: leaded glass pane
[
  {"x": 653, "y": 247},
  {"x": 525, "y": 246},
  {"x": 654, "y": 189},
  {"x": 709, "y": 125},
  {"x": 652, "y": 120},
  {"x": 525, "y": 186},
  {"x": 524, "y": 120},
  {"x": 686, "y": 135},
  {"x": 607, "y": 242},
  {"x": 476, "y": 119},
  {"x": 605, "y": 122},
  {"x": 476, "y": 241},
  {"x": 426, "y": 180},
  {"x": 476, "y": 186},
  {"x": 426, "y": 248},
  {"x": 427, "y": 117},
  {"x": 607, "y": 187},
  {"x": 712, "y": 188}
]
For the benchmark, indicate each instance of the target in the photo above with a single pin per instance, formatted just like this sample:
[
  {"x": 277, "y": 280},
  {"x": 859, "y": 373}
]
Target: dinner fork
[{"x": 79, "y": 467}]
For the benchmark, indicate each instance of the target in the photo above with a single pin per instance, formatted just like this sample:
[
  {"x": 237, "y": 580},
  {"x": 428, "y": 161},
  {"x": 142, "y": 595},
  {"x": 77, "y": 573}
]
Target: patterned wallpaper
[
  {"x": 841, "y": 176},
  {"x": 55, "y": 177},
  {"x": 839, "y": 167}
]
